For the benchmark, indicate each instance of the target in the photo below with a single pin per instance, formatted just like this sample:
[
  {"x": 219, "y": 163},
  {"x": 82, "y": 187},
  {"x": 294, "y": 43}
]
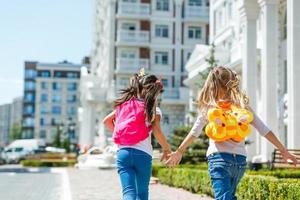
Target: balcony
[
  {"x": 135, "y": 38},
  {"x": 175, "y": 95},
  {"x": 197, "y": 13},
  {"x": 133, "y": 9},
  {"x": 91, "y": 90},
  {"x": 125, "y": 65}
]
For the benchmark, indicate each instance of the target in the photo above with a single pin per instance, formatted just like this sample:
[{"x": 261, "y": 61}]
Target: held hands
[
  {"x": 288, "y": 157},
  {"x": 165, "y": 155},
  {"x": 174, "y": 159}
]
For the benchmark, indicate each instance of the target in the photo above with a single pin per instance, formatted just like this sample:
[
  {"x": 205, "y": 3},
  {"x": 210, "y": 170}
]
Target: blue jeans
[
  {"x": 134, "y": 168},
  {"x": 226, "y": 171}
]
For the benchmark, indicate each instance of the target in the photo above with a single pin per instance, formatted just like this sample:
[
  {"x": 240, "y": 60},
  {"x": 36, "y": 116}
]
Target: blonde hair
[{"x": 221, "y": 79}]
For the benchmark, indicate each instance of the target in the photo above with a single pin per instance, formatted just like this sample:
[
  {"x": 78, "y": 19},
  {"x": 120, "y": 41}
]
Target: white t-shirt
[{"x": 144, "y": 145}]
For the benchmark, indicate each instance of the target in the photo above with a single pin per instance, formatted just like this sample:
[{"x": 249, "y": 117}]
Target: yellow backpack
[{"x": 228, "y": 122}]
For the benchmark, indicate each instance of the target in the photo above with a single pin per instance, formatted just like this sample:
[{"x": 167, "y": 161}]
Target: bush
[
  {"x": 47, "y": 163},
  {"x": 251, "y": 187},
  {"x": 283, "y": 173}
]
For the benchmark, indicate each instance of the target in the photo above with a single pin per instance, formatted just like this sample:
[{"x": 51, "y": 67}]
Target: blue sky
[{"x": 40, "y": 30}]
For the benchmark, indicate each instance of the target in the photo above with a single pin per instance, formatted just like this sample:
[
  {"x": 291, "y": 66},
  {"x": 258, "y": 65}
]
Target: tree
[
  {"x": 66, "y": 144},
  {"x": 196, "y": 153},
  {"x": 15, "y": 132},
  {"x": 57, "y": 142}
]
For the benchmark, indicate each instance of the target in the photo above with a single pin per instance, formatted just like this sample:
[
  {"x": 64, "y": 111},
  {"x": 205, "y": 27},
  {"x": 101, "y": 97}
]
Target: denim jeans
[
  {"x": 226, "y": 171},
  {"x": 134, "y": 168}
]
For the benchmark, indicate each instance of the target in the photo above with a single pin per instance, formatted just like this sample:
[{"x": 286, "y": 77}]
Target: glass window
[
  {"x": 194, "y": 32},
  {"x": 195, "y": 2},
  {"x": 28, "y": 109},
  {"x": 29, "y": 85},
  {"x": 44, "y": 74},
  {"x": 71, "y": 98},
  {"x": 162, "y": 31},
  {"x": 161, "y": 58},
  {"x": 56, "y": 98},
  {"x": 72, "y": 86},
  {"x": 58, "y": 74},
  {"x": 29, "y": 97},
  {"x": 43, "y": 134},
  {"x": 162, "y": 5},
  {"x": 71, "y": 111},
  {"x": 29, "y": 121},
  {"x": 44, "y": 97},
  {"x": 30, "y": 73},
  {"x": 44, "y": 109},
  {"x": 56, "y": 86},
  {"x": 72, "y": 74},
  {"x": 44, "y": 85},
  {"x": 165, "y": 82},
  {"x": 56, "y": 110},
  {"x": 43, "y": 122}
]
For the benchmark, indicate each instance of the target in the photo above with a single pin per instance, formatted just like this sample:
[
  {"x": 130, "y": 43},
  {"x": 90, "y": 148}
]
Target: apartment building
[{"x": 158, "y": 35}]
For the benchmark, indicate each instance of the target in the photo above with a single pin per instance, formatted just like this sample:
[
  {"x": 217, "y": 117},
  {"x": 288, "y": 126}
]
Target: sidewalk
[{"x": 104, "y": 185}]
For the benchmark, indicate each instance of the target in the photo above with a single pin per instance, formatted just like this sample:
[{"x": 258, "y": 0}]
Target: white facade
[
  {"x": 158, "y": 35},
  {"x": 260, "y": 40},
  {"x": 5, "y": 111}
]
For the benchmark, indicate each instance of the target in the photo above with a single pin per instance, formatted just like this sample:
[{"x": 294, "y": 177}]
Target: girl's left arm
[
  {"x": 108, "y": 121},
  {"x": 285, "y": 154}
]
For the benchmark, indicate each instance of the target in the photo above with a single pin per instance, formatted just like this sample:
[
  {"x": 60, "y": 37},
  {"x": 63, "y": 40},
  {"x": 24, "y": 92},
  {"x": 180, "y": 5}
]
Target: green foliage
[
  {"x": 251, "y": 186},
  {"x": 280, "y": 173},
  {"x": 15, "y": 132},
  {"x": 41, "y": 163},
  {"x": 66, "y": 144},
  {"x": 57, "y": 142},
  {"x": 196, "y": 152}
]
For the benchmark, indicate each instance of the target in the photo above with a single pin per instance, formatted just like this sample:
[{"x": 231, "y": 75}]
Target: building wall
[{"x": 5, "y": 111}]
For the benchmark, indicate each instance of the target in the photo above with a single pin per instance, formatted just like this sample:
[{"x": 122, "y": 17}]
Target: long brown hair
[
  {"x": 221, "y": 79},
  {"x": 147, "y": 87}
]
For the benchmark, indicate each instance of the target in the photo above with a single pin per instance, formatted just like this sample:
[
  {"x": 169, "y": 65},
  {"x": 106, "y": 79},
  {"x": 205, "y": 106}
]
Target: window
[
  {"x": 195, "y": 2},
  {"x": 44, "y": 98},
  {"x": 44, "y": 74},
  {"x": 165, "y": 82},
  {"x": 72, "y": 86},
  {"x": 162, "y": 5},
  {"x": 43, "y": 134},
  {"x": 166, "y": 119},
  {"x": 28, "y": 109},
  {"x": 29, "y": 97},
  {"x": 56, "y": 98},
  {"x": 194, "y": 32},
  {"x": 129, "y": 26},
  {"x": 44, "y": 109},
  {"x": 29, "y": 85},
  {"x": 56, "y": 86},
  {"x": 162, "y": 31},
  {"x": 128, "y": 54},
  {"x": 58, "y": 74},
  {"x": 72, "y": 74},
  {"x": 30, "y": 73},
  {"x": 29, "y": 121},
  {"x": 161, "y": 58},
  {"x": 43, "y": 122},
  {"x": 71, "y": 98},
  {"x": 71, "y": 111},
  {"x": 44, "y": 85},
  {"x": 188, "y": 55},
  {"x": 56, "y": 110}
]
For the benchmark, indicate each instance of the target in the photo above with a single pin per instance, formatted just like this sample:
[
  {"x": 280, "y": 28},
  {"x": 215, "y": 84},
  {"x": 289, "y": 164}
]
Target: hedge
[
  {"x": 281, "y": 173},
  {"x": 251, "y": 187},
  {"x": 47, "y": 163}
]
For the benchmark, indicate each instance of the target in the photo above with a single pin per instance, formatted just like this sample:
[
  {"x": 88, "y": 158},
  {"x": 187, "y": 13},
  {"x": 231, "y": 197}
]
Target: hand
[
  {"x": 287, "y": 156},
  {"x": 174, "y": 159},
  {"x": 165, "y": 155}
]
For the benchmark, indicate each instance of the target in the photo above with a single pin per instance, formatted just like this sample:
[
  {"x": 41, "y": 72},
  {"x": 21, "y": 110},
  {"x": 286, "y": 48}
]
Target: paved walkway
[
  {"x": 18, "y": 183},
  {"x": 104, "y": 185}
]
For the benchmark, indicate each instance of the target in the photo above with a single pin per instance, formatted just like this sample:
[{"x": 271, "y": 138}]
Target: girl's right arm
[{"x": 108, "y": 121}]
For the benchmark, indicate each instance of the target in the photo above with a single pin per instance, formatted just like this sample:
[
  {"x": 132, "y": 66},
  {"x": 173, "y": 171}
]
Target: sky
[{"x": 40, "y": 30}]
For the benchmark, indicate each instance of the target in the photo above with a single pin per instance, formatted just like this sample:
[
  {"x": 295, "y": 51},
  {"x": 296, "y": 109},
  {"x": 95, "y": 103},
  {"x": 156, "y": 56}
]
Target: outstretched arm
[
  {"x": 285, "y": 154},
  {"x": 108, "y": 121},
  {"x": 160, "y": 137}
]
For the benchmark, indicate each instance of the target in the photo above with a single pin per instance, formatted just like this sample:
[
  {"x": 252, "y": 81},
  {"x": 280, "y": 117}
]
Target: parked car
[
  {"x": 96, "y": 157},
  {"x": 15, "y": 155},
  {"x": 2, "y": 156}
]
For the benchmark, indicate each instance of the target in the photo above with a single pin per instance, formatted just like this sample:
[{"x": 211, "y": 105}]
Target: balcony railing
[
  {"x": 133, "y": 36},
  {"x": 181, "y": 94},
  {"x": 135, "y": 9},
  {"x": 197, "y": 12},
  {"x": 132, "y": 65}
]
